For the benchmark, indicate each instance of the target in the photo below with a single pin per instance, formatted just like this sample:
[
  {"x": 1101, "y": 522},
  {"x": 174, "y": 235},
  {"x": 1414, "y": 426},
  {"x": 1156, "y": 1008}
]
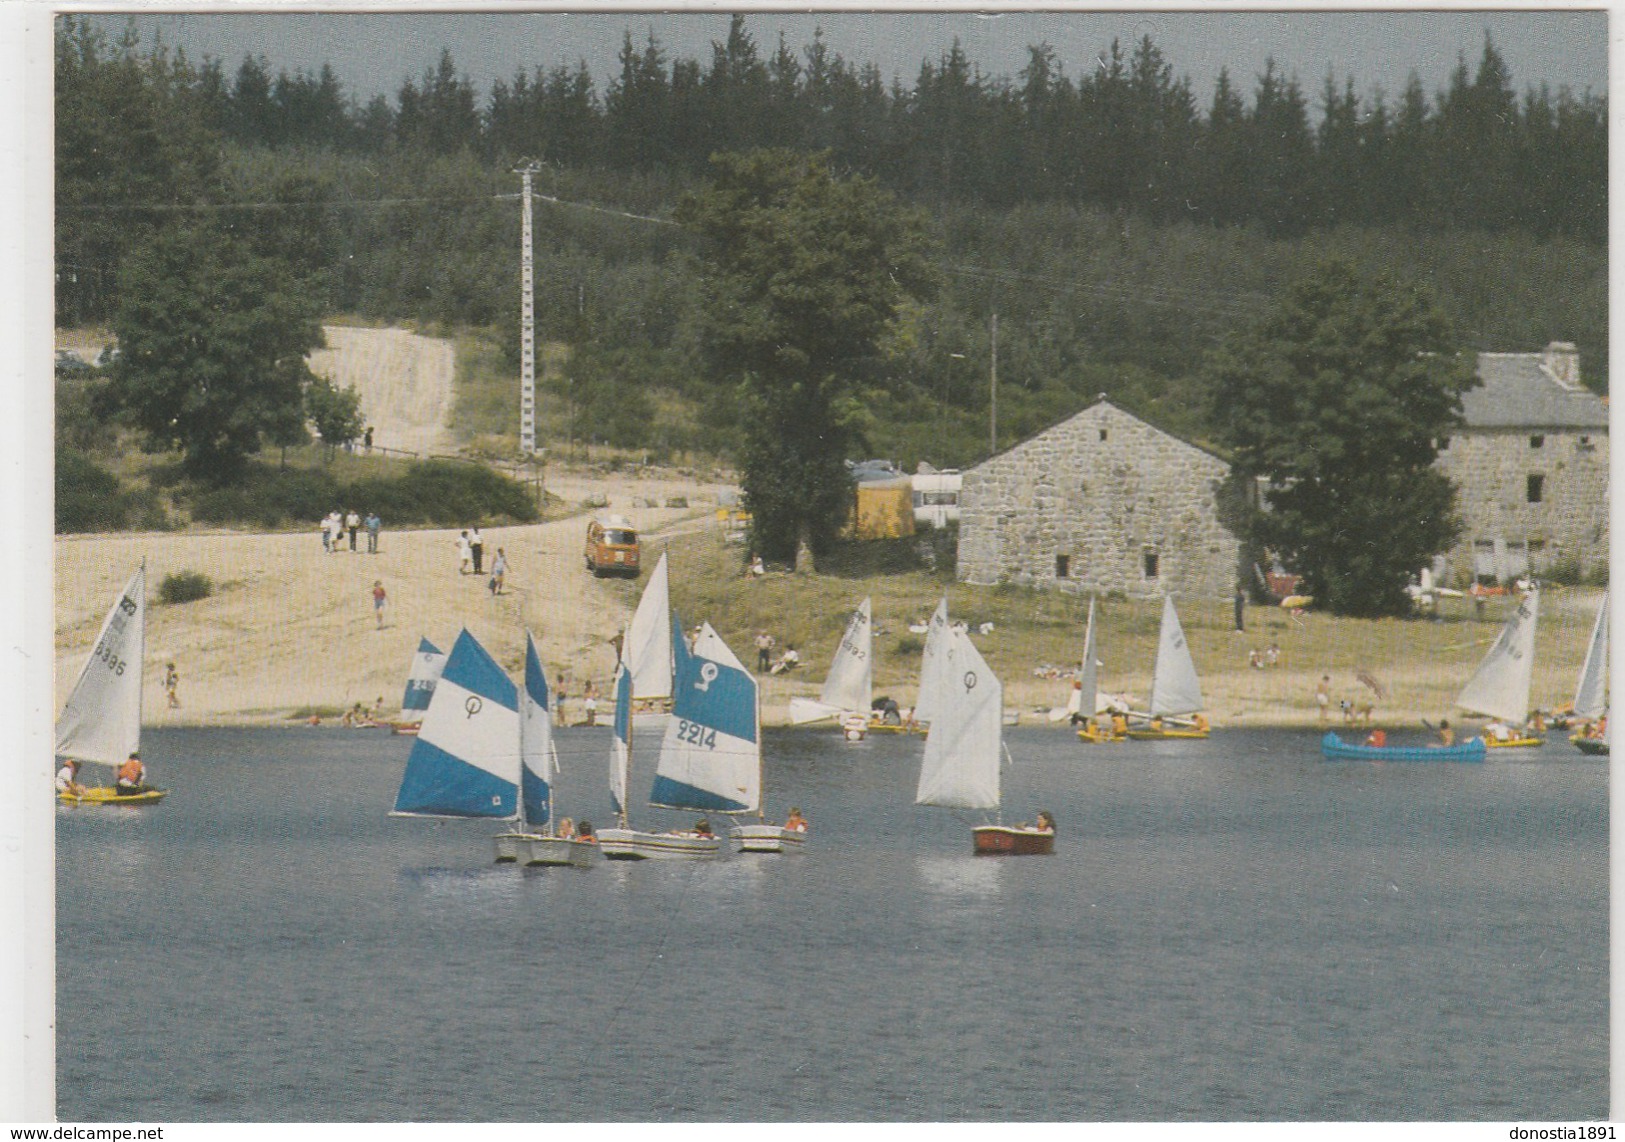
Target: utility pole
[
  {"x": 527, "y": 322},
  {"x": 993, "y": 393}
]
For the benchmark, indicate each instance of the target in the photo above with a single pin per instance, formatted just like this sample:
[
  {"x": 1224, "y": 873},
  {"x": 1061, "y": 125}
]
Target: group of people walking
[
  {"x": 471, "y": 559},
  {"x": 336, "y": 525}
]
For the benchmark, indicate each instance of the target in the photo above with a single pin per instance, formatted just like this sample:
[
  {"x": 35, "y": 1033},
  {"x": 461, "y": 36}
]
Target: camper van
[
  {"x": 612, "y": 547},
  {"x": 936, "y": 497}
]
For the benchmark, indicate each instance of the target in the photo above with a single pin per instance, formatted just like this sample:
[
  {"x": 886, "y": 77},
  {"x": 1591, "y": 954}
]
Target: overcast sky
[{"x": 374, "y": 52}]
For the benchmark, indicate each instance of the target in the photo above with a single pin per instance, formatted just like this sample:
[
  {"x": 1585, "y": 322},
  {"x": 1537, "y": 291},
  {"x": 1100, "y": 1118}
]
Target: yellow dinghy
[
  {"x": 107, "y": 795},
  {"x": 1512, "y": 743}
]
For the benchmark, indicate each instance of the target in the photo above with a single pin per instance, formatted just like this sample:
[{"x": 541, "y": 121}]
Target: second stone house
[{"x": 1101, "y": 502}]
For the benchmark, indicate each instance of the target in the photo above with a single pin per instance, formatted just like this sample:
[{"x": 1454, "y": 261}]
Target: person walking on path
[
  {"x": 465, "y": 556},
  {"x": 379, "y": 597},
  {"x": 352, "y": 524},
  {"x": 366, "y": 440},
  {"x": 373, "y": 524},
  {"x": 499, "y": 570},
  {"x": 476, "y": 547},
  {"x": 327, "y": 535},
  {"x": 335, "y": 524},
  {"x": 172, "y": 682}
]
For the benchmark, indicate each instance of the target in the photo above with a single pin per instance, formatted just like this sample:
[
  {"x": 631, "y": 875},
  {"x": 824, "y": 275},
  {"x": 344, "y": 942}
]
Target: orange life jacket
[{"x": 130, "y": 773}]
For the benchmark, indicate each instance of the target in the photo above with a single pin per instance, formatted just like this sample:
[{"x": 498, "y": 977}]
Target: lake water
[{"x": 1227, "y": 930}]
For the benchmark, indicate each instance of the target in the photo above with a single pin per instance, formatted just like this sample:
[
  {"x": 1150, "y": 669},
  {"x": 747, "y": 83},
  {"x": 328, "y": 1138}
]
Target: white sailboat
[
  {"x": 1591, "y": 693},
  {"x": 427, "y": 663},
  {"x": 101, "y": 722},
  {"x": 1499, "y": 688},
  {"x": 538, "y": 774},
  {"x": 1085, "y": 700},
  {"x": 965, "y": 746},
  {"x": 1176, "y": 691},
  {"x": 848, "y": 687},
  {"x": 931, "y": 660},
  {"x": 648, "y": 643}
]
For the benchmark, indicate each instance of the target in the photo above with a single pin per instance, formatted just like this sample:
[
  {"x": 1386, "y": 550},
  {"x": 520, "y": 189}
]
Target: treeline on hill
[{"x": 1114, "y": 227}]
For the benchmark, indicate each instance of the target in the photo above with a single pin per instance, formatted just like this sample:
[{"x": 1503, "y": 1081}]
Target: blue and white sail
[
  {"x": 711, "y": 757},
  {"x": 620, "y": 741},
  {"x": 539, "y": 754},
  {"x": 1591, "y": 695},
  {"x": 465, "y": 761},
  {"x": 427, "y": 665}
]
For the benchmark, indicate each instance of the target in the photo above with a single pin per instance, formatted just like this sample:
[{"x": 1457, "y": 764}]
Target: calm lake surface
[{"x": 1227, "y": 930}]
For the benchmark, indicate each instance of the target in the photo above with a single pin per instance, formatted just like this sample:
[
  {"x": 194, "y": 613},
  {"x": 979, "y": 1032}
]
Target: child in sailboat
[
  {"x": 67, "y": 779},
  {"x": 132, "y": 777},
  {"x": 795, "y": 822},
  {"x": 585, "y": 834}
]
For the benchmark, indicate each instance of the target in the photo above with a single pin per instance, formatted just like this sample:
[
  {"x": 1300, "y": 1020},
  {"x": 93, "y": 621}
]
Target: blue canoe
[{"x": 1335, "y": 748}]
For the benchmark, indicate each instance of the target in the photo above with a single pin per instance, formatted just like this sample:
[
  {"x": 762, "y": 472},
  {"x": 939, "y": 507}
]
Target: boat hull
[
  {"x": 1166, "y": 735},
  {"x": 511, "y": 848},
  {"x": 557, "y": 852},
  {"x": 1334, "y": 748},
  {"x": 1513, "y": 743},
  {"x": 1595, "y": 747},
  {"x": 632, "y": 844},
  {"x": 107, "y": 795},
  {"x": 1002, "y": 840},
  {"x": 765, "y": 839},
  {"x": 408, "y": 728},
  {"x": 1095, "y": 738}
]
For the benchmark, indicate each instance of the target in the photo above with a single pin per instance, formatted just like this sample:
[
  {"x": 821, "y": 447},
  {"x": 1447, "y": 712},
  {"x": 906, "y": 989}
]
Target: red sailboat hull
[{"x": 1001, "y": 840}]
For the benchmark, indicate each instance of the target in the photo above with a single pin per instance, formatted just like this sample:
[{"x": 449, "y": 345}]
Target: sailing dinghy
[
  {"x": 424, "y": 672},
  {"x": 101, "y": 722},
  {"x": 965, "y": 746},
  {"x": 847, "y": 693},
  {"x": 1499, "y": 688},
  {"x": 648, "y": 642},
  {"x": 1175, "y": 689},
  {"x": 1085, "y": 691},
  {"x": 1591, "y": 693},
  {"x": 466, "y": 761},
  {"x": 538, "y": 774}
]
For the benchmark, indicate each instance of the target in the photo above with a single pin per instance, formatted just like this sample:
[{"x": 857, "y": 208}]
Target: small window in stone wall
[
  {"x": 1149, "y": 559},
  {"x": 1063, "y": 564},
  {"x": 1535, "y": 487},
  {"x": 1537, "y": 442},
  {"x": 1103, "y": 434}
]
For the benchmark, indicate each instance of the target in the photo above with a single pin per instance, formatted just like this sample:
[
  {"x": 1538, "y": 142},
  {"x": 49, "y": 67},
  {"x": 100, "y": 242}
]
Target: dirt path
[{"x": 404, "y": 381}]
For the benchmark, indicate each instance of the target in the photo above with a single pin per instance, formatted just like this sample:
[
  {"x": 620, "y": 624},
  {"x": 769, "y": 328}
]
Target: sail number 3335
[
  {"x": 114, "y": 663},
  {"x": 695, "y": 734}
]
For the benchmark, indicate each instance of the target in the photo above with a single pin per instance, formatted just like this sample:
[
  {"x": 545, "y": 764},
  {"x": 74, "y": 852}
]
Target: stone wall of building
[
  {"x": 1492, "y": 471},
  {"x": 1101, "y": 502}
]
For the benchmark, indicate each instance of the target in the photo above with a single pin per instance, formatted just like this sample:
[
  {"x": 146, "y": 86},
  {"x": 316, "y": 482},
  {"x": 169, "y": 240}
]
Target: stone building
[
  {"x": 1531, "y": 468},
  {"x": 1101, "y": 502}
]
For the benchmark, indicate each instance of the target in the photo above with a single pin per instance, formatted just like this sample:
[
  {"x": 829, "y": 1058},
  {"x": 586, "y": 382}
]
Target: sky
[{"x": 374, "y": 52}]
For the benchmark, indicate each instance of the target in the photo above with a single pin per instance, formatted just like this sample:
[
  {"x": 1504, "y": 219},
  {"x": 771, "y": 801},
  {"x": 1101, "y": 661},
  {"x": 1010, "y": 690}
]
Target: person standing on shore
[
  {"x": 499, "y": 570},
  {"x": 172, "y": 681},
  {"x": 476, "y": 548},
  {"x": 373, "y": 524},
  {"x": 1323, "y": 697},
  {"x": 352, "y": 524},
  {"x": 764, "y": 652},
  {"x": 465, "y": 556},
  {"x": 379, "y": 597}
]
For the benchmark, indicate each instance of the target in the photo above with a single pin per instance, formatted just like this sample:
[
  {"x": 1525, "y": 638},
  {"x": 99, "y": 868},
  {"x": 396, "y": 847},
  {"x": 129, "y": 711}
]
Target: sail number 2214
[{"x": 695, "y": 734}]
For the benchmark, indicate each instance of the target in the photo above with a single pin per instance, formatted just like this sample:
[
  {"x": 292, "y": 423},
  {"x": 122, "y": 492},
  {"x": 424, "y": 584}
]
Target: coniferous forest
[{"x": 1115, "y": 224}]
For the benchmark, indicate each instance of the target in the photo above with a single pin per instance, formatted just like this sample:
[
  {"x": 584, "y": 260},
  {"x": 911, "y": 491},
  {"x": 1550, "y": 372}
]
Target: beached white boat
[
  {"x": 965, "y": 748},
  {"x": 848, "y": 687},
  {"x": 427, "y": 663},
  {"x": 101, "y": 722},
  {"x": 1499, "y": 688},
  {"x": 1176, "y": 691},
  {"x": 469, "y": 760}
]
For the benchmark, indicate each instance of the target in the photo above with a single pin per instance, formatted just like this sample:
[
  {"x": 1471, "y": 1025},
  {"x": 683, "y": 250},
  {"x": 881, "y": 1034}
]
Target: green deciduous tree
[
  {"x": 212, "y": 343},
  {"x": 803, "y": 274},
  {"x": 335, "y": 412},
  {"x": 1338, "y": 399}
]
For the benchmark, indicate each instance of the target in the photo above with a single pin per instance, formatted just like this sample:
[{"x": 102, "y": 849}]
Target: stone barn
[
  {"x": 1530, "y": 467},
  {"x": 1100, "y": 502}
]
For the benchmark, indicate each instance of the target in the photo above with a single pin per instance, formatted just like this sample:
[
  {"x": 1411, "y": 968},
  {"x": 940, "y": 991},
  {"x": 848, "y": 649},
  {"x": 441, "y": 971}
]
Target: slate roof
[{"x": 1518, "y": 391}]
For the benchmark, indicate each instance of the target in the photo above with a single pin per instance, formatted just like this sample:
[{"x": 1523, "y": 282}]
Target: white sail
[
  {"x": 1174, "y": 685},
  {"x": 1500, "y": 686},
  {"x": 960, "y": 768},
  {"x": 711, "y": 758},
  {"x": 539, "y": 755},
  {"x": 848, "y": 685},
  {"x": 427, "y": 664},
  {"x": 1083, "y": 697},
  {"x": 936, "y": 646},
  {"x": 1591, "y": 696},
  {"x": 102, "y": 719},
  {"x": 648, "y": 639}
]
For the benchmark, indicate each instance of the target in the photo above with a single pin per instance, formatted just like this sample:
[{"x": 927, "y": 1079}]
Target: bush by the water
[
  {"x": 88, "y": 496},
  {"x": 184, "y": 587},
  {"x": 436, "y": 492}
]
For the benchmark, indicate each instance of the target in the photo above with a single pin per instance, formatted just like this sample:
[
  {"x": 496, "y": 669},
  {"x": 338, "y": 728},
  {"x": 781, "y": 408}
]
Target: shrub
[
  {"x": 908, "y": 646},
  {"x": 270, "y": 497},
  {"x": 184, "y": 587},
  {"x": 88, "y": 496}
]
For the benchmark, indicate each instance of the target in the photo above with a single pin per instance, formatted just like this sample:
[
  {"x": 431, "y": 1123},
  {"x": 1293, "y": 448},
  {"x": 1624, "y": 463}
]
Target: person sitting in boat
[
  {"x": 67, "y": 779},
  {"x": 1119, "y": 723},
  {"x": 702, "y": 829},
  {"x": 1377, "y": 738},
  {"x": 795, "y": 822},
  {"x": 1156, "y": 723},
  {"x": 567, "y": 828},
  {"x": 1537, "y": 723},
  {"x": 1447, "y": 736},
  {"x": 1500, "y": 731},
  {"x": 585, "y": 834},
  {"x": 1046, "y": 823},
  {"x": 132, "y": 777},
  {"x": 1200, "y": 722},
  {"x": 886, "y": 711}
]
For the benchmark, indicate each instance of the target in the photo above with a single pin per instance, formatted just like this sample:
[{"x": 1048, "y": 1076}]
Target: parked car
[{"x": 612, "y": 547}]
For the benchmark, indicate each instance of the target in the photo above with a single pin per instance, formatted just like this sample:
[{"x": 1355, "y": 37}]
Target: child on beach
[{"x": 379, "y": 595}]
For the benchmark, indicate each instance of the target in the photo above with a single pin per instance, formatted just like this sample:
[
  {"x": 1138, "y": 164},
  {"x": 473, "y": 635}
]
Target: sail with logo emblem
[
  {"x": 1499, "y": 687},
  {"x": 711, "y": 757},
  {"x": 1174, "y": 685},
  {"x": 848, "y": 688},
  {"x": 102, "y": 719},
  {"x": 465, "y": 761},
  {"x": 960, "y": 766}
]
